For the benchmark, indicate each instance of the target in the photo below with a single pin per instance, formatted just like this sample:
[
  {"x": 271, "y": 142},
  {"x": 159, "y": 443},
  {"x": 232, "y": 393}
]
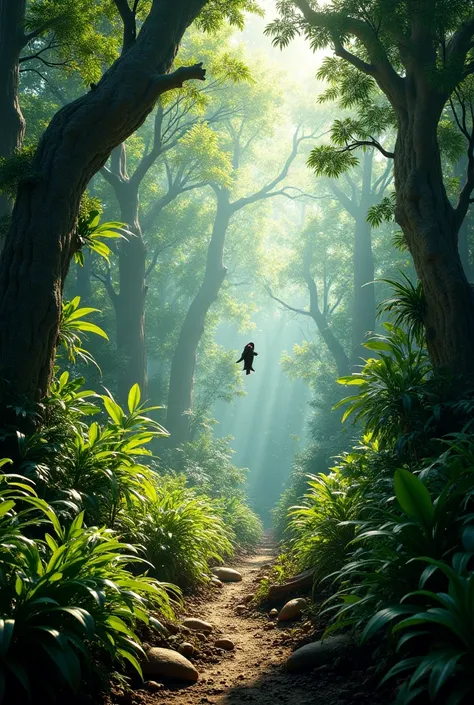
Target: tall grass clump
[{"x": 185, "y": 533}]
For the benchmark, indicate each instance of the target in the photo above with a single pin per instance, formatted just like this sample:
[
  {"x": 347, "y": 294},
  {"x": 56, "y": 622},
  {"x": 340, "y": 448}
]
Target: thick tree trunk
[
  {"x": 427, "y": 219},
  {"x": 12, "y": 124},
  {"x": 75, "y": 146},
  {"x": 184, "y": 358}
]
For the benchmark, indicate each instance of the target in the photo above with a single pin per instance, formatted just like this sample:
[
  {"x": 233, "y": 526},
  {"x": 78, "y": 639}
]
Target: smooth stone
[
  {"x": 273, "y": 613},
  {"x": 317, "y": 654},
  {"x": 227, "y": 575},
  {"x": 153, "y": 686},
  {"x": 216, "y": 582},
  {"x": 292, "y": 610},
  {"x": 169, "y": 664},
  {"x": 225, "y": 644},
  {"x": 186, "y": 649},
  {"x": 197, "y": 625}
]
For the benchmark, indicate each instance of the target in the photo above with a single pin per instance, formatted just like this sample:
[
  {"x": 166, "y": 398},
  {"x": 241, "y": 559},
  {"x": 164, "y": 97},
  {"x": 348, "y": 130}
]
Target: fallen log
[{"x": 301, "y": 583}]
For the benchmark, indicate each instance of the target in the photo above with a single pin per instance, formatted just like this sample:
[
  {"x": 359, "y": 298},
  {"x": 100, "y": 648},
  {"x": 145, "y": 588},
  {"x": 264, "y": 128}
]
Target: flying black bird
[{"x": 247, "y": 356}]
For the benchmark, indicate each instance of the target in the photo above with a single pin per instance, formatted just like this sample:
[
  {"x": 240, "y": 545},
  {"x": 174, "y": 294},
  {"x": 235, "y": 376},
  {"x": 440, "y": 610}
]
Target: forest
[{"x": 187, "y": 516}]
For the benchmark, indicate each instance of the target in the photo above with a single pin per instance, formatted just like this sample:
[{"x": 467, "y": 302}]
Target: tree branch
[
  {"x": 340, "y": 25},
  {"x": 168, "y": 81},
  {"x": 129, "y": 23},
  {"x": 106, "y": 280},
  {"x": 265, "y": 191},
  {"x": 344, "y": 199},
  {"x": 299, "y": 311}
]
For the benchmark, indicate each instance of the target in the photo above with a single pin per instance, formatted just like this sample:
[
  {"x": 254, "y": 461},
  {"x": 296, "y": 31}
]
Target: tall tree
[
  {"x": 76, "y": 144},
  {"x": 323, "y": 302},
  {"x": 172, "y": 121},
  {"x": 357, "y": 200},
  {"x": 38, "y": 35},
  {"x": 184, "y": 359},
  {"x": 418, "y": 53}
]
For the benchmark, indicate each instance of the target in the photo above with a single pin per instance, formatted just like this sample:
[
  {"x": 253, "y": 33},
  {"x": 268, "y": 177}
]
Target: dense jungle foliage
[{"x": 172, "y": 185}]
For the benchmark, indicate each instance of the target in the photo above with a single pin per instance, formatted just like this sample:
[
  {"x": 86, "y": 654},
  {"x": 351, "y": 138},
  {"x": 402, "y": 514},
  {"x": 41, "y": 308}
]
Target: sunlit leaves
[
  {"x": 91, "y": 232},
  {"x": 72, "y": 324},
  {"x": 216, "y": 12},
  {"x": 329, "y": 161},
  {"x": 66, "y": 596},
  {"x": 87, "y": 35},
  {"x": 201, "y": 145},
  {"x": 406, "y": 306},
  {"x": 351, "y": 87},
  {"x": 382, "y": 212}
]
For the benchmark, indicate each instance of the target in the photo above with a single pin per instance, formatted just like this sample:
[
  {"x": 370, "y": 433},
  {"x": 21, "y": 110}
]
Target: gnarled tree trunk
[
  {"x": 75, "y": 146},
  {"x": 431, "y": 230},
  {"x": 184, "y": 358}
]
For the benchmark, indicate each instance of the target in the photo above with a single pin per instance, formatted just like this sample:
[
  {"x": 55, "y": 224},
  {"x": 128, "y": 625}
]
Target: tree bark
[
  {"x": 464, "y": 250},
  {"x": 75, "y": 146},
  {"x": 129, "y": 303},
  {"x": 12, "y": 124},
  {"x": 184, "y": 358},
  {"x": 431, "y": 229},
  {"x": 364, "y": 309}
]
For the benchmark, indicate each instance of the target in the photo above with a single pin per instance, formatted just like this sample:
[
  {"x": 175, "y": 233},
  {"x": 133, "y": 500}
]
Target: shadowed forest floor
[{"x": 254, "y": 672}]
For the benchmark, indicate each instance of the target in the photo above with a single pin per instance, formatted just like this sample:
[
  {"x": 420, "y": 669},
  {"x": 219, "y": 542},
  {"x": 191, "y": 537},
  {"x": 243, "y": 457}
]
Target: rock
[
  {"x": 172, "y": 628},
  {"x": 170, "y": 664},
  {"x": 240, "y": 608},
  {"x": 299, "y": 583},
  {"x": 197, "y": 625},
  {"x": 186, "y": 649},
  {"x": 153, "y": 686},
  {"x": 225, "y": 644},
  {"x": 227, "y": 575},
  {"x": 216, "y": 582},
  {"x": 317, "y": 654},
  {"x": 273, "y": 614},
  {"x": 201, "y": 636},
  {"x": 292, "y": 610},
  {"x": 248, "y": 598}
]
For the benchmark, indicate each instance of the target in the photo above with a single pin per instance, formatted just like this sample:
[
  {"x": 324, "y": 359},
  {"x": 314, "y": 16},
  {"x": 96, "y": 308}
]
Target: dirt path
[{"x": 254, "y": 672}]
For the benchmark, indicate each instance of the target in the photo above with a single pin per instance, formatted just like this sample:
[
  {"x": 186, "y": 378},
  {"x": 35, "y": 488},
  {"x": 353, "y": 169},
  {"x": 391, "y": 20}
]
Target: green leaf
[
  {"x": 413, "y": 497},
  {"x": 351, "y": 380},
  {"x": 134, "y": 398},
  {"x": 113, "y": 410}
]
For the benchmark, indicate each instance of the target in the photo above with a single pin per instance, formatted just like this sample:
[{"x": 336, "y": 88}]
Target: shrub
[
  {"x": 184, "y": 532},
  {"x": 95, "y": 466},
  {"x": 245, "y": 526},
  {"x": 324, "y": 525},
  {"x": 207, "y": 464},
  {"x": 66, "y": 600},
  {"x": 435, "y": 636}
]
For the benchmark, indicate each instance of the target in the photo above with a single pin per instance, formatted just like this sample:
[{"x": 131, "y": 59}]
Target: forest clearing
[{"x": 236, "y": 352}]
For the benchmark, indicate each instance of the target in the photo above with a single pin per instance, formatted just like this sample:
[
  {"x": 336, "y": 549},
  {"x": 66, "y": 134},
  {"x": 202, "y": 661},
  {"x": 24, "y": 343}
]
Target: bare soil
[{"x": 254, "y": 672}]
